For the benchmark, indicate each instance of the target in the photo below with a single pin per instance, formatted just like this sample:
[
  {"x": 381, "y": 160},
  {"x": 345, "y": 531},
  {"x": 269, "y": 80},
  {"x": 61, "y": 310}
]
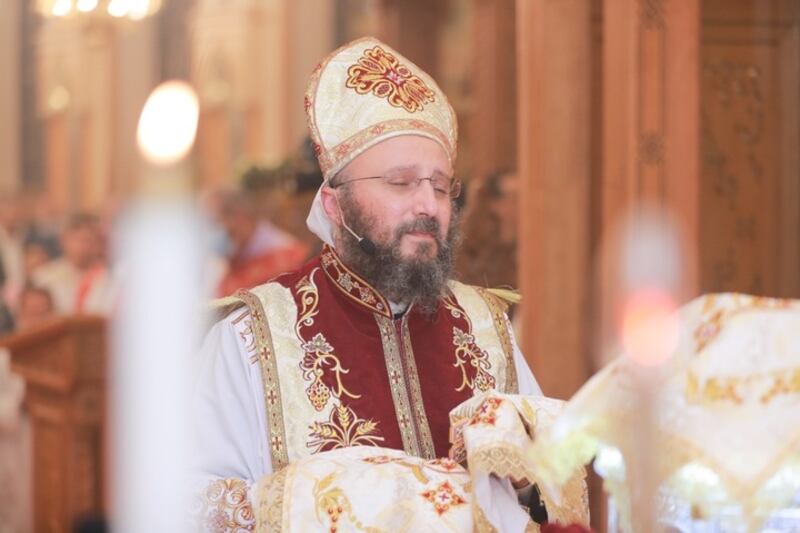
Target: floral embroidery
[
  {"x": 224, "y": 507},
  {"x": 351, "y": 284},
  {"x": 319, "y": 356},
  {"x": 331, "y": 502},
  {"x": 380, "y": 72},
  {"x": 469, "y": 354},
  {"x": 443, "y": 498},
  {"x": 486, "y": 413},
  {"x": 343, "y": 429}
]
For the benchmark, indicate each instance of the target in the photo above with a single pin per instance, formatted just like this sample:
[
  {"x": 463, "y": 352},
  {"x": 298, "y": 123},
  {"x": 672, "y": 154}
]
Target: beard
[{"x": 421, "y": 278}]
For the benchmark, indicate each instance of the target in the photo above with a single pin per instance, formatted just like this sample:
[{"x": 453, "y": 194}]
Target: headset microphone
[{"x": 363, "y": 242}]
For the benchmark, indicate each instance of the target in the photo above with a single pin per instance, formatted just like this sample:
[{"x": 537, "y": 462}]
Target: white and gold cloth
[
  {"x": 727, "y": 419},
  {"x": 377, "y": 489}
]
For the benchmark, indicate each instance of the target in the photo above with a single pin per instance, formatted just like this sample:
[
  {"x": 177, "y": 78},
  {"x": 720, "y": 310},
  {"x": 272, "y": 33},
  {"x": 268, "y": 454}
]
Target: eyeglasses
[{"x": 443, "y": 186}]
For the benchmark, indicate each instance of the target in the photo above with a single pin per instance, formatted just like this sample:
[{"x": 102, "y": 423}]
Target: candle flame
[
  {"x": 650, "y": 326},
  {"x": 168, "y": 124}
]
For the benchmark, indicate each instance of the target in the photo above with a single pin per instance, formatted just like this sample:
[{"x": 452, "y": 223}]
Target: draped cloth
[
  {"x": 378, "y": 489},
  {"x": 726, "y": 424}
]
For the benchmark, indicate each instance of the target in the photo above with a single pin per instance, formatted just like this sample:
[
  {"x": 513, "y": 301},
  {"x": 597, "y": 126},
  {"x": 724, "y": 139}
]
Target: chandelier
[{"x": 117, "y": 9}]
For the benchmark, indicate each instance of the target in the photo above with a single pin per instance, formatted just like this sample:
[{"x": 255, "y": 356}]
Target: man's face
[
  {"x": 240, "y": 225},
  {"x": 413, "y": 228},
  {"x": 82, "y": 245},
  {"x": 411, "y": 211}
]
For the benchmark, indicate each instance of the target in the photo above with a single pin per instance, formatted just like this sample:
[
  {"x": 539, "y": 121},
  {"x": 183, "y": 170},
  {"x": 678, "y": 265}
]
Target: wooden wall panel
[{"x": 750, "y": 116}]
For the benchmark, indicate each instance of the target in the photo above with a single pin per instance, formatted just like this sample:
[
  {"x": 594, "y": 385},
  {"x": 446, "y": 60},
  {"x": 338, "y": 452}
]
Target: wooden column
[
  {"x": 10, "y": 85},
  {"x": 98, "y": 117},
  {"x": 555, "y": 85},
  {"x": 493, "y": 124},
  {"x": 241, "y": 66},
  {"x": 412, "y": 27},
  {"x": 650, "y": 109}
]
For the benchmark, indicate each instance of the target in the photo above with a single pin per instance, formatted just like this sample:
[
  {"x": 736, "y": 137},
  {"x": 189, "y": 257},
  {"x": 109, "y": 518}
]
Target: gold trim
[
  {"x": 269, "y": 374},
  {"x": 397, "y": 381},
  {"x": 353, "y": 285},
  {"x": 415, "y": 393},
  {"x": 498, "y": 311},
  {"x": 359, "y": 141},
  {"x": 269, "y": 512},
  {"x": 481, "y": 523}
]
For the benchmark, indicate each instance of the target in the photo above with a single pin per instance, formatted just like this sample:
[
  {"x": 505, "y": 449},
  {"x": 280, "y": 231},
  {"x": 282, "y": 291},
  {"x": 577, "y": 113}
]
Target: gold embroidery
[
  {"x": 765, "y": 386},
  {"x": 269, "y": 375},
  {"x": 225, "y": 507},
  {"x": 482, "y": 524},
  {"x": 502, "y": 326},
  {"x": 318, "y": 351},
  {"x": 441, "y": 465},
  {"x": 380, "y": 73},
  {"x": 333, "y": 503},
  {"x": 269, "y": 514},
  {"x": 352, "y": 285},
  {"x": 469, "y": 354},
  {"x": 427, "y": 450},
  {"x": 397, "y": 385},
  {"x": 443, "y": 498},
  {"x": 708, "y": 328},
  {"x": 343, "y": 429},
  {"x": 330, "y": 158},
  {"x": 487, "y": 412},
  {"x": 247, "y": 335}
]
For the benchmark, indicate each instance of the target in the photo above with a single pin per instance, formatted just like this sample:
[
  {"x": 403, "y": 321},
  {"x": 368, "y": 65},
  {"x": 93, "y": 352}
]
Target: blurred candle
[
  {"x": 649, "y": 278},
  {"x": 157, "y": 325}
]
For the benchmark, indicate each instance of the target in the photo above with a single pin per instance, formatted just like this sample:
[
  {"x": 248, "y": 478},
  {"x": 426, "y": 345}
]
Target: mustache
[{"x": 420, "y": 225}]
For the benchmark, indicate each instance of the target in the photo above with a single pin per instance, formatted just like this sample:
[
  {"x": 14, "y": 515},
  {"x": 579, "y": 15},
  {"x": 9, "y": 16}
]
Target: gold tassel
[{"x": 511, "y": 296}]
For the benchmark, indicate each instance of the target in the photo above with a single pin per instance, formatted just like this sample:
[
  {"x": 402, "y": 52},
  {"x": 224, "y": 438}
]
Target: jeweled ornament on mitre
[{"x": 380, "y": 73}]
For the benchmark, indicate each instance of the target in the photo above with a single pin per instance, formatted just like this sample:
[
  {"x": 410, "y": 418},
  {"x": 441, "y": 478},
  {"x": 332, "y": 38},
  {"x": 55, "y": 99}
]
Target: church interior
[{"x": 606, "y": 148}]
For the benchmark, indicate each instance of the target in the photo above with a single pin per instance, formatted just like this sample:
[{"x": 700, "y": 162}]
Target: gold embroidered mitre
[{"x": 365, "y": 92}]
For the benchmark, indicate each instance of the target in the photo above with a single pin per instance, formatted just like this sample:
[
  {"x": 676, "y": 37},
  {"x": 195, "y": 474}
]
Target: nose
[{"x": 425, "y": 201}]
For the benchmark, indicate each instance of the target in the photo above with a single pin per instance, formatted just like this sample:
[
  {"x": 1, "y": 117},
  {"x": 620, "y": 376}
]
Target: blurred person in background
[
  {"x": 6, "y": 320},
  {"x": 82, "y": 247},
  {"x": 256, "y": 249},
  {"x": 11, "y": 252},
  {"x": 35, "y": 306}
]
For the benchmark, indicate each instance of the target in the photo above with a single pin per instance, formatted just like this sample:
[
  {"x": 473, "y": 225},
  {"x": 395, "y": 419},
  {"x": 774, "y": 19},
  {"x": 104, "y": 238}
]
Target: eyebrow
[{"x": 412, "y": 168}]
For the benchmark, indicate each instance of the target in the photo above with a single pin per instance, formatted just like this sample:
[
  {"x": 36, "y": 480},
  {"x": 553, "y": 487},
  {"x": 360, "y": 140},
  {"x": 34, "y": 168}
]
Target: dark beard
[{"x": 420, "y": 279}]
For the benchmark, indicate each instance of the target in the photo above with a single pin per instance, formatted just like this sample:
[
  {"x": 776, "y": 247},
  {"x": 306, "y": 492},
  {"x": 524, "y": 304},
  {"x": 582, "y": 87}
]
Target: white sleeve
[
  {"x": 228, "y": 424},
  {"x": 527, "y": 383}
]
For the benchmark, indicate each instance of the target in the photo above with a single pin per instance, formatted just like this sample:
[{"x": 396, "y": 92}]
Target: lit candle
[
  {"x": 648, "y": 327},
  {"x": 157, "y": 326}
]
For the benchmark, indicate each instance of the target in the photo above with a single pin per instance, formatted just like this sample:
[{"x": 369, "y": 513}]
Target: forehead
[{"x": 406, "y": 153}]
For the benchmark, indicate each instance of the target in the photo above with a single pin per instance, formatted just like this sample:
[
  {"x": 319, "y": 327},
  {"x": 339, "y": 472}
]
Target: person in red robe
[{"x": 258, "y": 251}]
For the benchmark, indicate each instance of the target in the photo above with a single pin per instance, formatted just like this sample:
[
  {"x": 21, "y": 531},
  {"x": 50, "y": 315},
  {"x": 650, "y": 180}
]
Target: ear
[{"x": 330, "y": 203}]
